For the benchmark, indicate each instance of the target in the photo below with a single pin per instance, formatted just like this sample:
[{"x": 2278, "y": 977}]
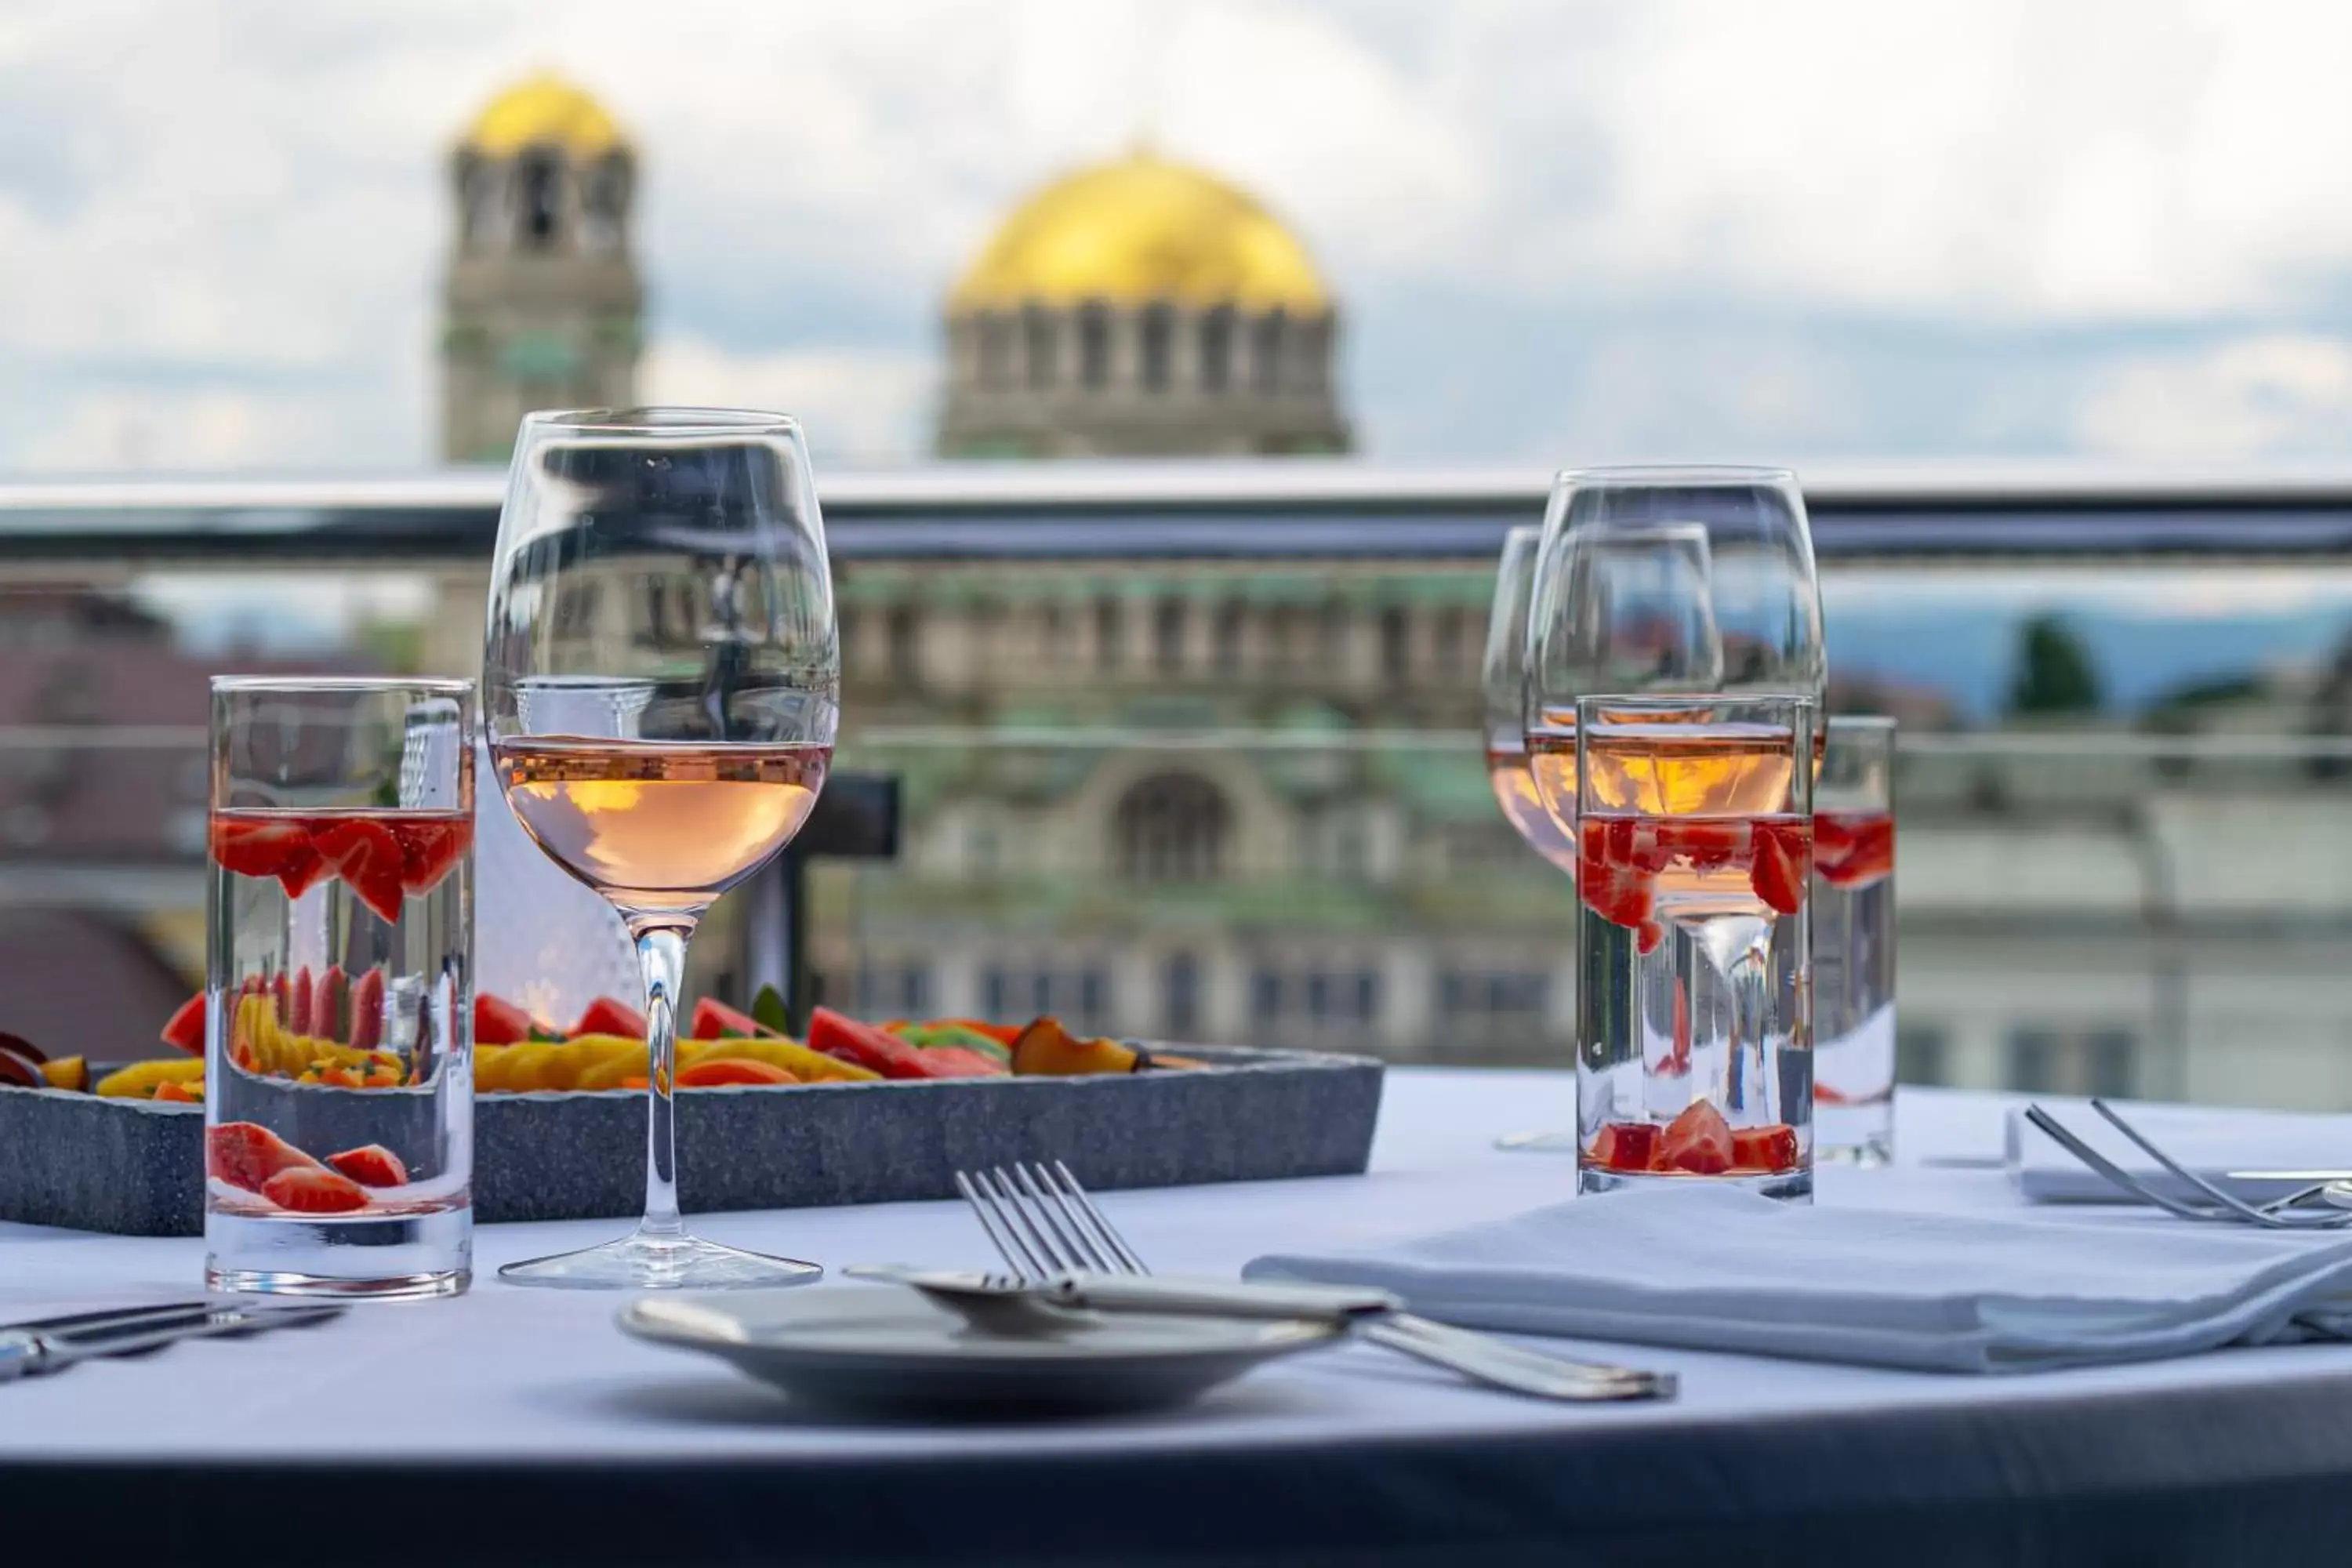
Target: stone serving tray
[{"x": 136, "y": 1168}]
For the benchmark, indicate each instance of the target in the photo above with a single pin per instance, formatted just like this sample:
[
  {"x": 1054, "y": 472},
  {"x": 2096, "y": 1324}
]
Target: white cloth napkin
[
  {"x": 2210, "y": 1141},
  {"x": 1723, "y": 1269}
]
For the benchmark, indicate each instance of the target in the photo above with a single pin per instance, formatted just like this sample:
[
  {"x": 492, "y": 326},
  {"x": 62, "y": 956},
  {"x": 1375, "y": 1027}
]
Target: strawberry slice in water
[
  {"x": 1609, "y": 881},
  {"x": 267, "y": 847},
  {"x": 367, "y": 1011},
  {"x": 1771, "y": 1148},
  {"x": 1623, "y": 1146},
  {"x": 247, "y": 1155},
  {"x": 365, "y": 855},
  {"x": 1783, "y": 855},
  {"x": 371, "y": 1166},
  {"x": 314, "y": 1189},
  {"x": 428, "y": 848},
  {"x": 1698, "y": 1142}
]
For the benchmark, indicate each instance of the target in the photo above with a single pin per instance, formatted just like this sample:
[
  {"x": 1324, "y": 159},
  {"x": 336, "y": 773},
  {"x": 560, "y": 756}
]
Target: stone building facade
[{"x": 541, "y": 302}]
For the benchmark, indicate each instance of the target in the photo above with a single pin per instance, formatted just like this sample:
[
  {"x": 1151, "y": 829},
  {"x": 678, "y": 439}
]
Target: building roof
[
  {"x": 544, "y": 110},
  {"x": 1141, "y": 230}
]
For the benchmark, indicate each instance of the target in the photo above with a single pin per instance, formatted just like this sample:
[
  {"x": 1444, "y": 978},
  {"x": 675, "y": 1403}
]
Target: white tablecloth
[{"x": 537, "y": 1425}]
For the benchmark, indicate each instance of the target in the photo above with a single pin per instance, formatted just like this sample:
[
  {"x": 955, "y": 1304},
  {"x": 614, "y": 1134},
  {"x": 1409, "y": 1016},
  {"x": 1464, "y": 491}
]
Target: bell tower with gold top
[
  {"x": 541, "y": 302},
  {"x": 1142, "y": 307}
]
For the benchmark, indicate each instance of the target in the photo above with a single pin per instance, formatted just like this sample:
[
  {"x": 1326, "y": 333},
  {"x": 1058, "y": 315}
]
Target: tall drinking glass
[
  {"x": 1854, "y": 942},
  {"x": 662, "y": 682},
  {"x": 1694, "y": 833},
  {"x": 339, "y": 1086}
]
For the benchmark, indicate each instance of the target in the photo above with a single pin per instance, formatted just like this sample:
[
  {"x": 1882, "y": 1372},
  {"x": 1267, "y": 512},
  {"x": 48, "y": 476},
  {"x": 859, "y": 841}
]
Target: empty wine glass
[
  {"x": 1765, "y": 591},
  {"x": 661, "y": 689}
]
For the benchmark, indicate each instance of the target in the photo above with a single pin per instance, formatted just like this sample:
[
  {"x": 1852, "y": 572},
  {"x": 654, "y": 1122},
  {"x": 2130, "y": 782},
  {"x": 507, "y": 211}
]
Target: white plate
[{"x": 879, "y": 1348}]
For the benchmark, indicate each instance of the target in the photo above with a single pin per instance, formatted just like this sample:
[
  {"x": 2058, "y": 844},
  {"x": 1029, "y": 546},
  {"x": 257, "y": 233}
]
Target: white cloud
[
  {"x": 226, "y": 217},
  {"x": 857, "y": 405},
  {"x": 2269, "y": 395}
]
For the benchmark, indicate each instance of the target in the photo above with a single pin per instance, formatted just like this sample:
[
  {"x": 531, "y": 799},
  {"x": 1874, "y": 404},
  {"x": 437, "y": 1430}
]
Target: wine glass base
[{"x": 642, "y": 1262}]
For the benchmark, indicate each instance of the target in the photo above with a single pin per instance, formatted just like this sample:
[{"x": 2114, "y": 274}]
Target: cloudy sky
[{"x": 1562, "y": 232}]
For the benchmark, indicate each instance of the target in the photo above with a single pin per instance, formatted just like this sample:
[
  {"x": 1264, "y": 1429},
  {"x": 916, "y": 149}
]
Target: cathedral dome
[
  {"x": 544, "y": 110},
  {"x": 1138, "y": 230}
]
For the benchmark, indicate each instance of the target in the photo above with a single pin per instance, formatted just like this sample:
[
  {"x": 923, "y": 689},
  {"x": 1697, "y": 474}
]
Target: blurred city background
[{"x": 1173, "y": 372}]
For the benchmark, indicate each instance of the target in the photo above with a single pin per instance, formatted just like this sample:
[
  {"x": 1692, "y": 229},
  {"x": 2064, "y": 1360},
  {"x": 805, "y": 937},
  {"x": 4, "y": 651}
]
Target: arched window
[
  {"x": 1314, "y": 351},
  {"x": 1094, "y": 346},
  {"x": 1266, "y": 340},
  {"x": 1172, "y": 827},
  {"x": 1217, "y": 349},
  {"x": 1039, "y": 343},
  {"x": 1159, "y": 342},
  {"x": 603, "y": 206}
]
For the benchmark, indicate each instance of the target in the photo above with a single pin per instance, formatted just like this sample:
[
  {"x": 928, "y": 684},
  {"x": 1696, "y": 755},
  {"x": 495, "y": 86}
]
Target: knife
[{"x": 32, "y": 1350}]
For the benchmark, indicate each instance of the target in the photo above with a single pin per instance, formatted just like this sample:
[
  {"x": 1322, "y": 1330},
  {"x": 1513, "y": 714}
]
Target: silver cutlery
[
  {"x": 1045, "y": 1226},
  {"x": 1001, "y": 1302},
  {"x": 46, "y": 1345},
  {"x": 2286, "y": 1213}
]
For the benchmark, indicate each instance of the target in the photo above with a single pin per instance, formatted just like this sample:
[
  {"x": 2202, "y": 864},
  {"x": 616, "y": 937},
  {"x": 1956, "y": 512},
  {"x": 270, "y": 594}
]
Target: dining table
[{"x": 514, "y": 1426}]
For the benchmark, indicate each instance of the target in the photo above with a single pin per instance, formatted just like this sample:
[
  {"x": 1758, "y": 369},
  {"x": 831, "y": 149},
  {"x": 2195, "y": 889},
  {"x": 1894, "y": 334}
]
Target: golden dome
[
  {"x": 543, "y": 110},
  {"x": 1141, "y": 230}
]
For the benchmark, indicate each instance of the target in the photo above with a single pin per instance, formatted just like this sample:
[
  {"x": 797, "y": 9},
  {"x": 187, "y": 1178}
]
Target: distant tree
[{"x": 2055, "y": 672}]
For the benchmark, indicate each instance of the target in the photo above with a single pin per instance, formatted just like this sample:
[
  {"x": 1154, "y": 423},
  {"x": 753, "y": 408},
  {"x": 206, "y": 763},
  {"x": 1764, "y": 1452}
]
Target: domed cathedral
[
  {"x": 1142, "y": 307},
  {"x": 541, "y": 303}
]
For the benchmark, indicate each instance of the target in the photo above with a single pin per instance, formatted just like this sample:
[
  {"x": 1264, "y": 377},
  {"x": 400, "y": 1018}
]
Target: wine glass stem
[{"x": 661, "y": 953}]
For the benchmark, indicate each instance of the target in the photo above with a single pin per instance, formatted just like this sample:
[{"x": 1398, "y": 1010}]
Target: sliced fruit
[
  {"x": 314, "y": 1190},
  {"x": 1707, "y": 843},
  {"x": 300, "y": 1001},
  {"x": 1772, "y": 1148},
  {"x": 1853, "y": 848},
  {"x": 139, "y": 1080},
  {"x": 1648, "y": 935},
  {"x": 715, "y": 1020},
  {"x": 1046, "y": 1049},
  {"x": 267, "y": 847},
  {"x": 1698, "y": 1142},
  {"x": 190, "y": 1093},
  {"x": 1627, "y": 1146},
  {"x": 720, "y": 1070},
  {"x": 955, "y": 1037},
  {"x": 66, "y": 1072},
  {"x": 327, "y": 1002},
  {"x": 1002, "y": 1034},
  {"x": 956, "y": 1061},
  {"x": 15, "y": 1069},
  {"x": 429, "y": 847},
  {"x": 1620, "y": 894},
  {"x": 872, "y": 1048},
  {"x": 247, "y": 1154},
  {"x": 367, "y": 1010},
  {"x": 24, "y": 1047},
  {"x": 808, "y": 1065},
  {"x": 371, "y": 1166},
  {"x": 499, "y": 1021},
  {"x": 1783, "y": 854},
  {"x": 606, "y": 1016},
  {"x": 365, "y": 855},
  {"x": 281, "y": 992},
  {"x": 186, "y": 1029}
]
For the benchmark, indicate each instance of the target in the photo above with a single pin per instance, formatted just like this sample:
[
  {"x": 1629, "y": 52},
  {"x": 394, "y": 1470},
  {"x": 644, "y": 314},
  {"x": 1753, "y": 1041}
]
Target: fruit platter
[{"x": 850, "y": 1111}]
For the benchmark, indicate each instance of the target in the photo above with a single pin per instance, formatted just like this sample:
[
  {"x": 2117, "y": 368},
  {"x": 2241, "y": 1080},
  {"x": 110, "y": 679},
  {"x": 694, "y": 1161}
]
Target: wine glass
[
  {"x": 1612, "y": 608},
  {"x": 1766, "y": 593},
  {"x": 1616, "y": 608},
  {"x": 661, "y": 688}
]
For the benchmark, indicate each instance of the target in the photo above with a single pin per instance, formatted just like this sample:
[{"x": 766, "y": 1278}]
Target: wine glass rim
[
  {"x": 438, "y": 686},
  {"x": 664, "y": 420},
  {"x": 1678, "y": 473}
]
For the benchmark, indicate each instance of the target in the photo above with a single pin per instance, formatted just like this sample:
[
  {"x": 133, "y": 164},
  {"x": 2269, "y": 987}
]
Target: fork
[
  {"x": 2279, "y": 1214},
  {"x": 1043, "y": 1223}
]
